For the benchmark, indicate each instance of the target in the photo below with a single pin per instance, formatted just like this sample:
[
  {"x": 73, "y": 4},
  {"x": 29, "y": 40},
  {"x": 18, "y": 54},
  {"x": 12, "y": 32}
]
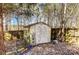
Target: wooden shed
[{"x": 39, "y": 33}]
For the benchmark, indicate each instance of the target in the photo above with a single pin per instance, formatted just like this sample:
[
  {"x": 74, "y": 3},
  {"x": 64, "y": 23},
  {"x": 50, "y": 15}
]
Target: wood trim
[{"x": 35, "y": 24}]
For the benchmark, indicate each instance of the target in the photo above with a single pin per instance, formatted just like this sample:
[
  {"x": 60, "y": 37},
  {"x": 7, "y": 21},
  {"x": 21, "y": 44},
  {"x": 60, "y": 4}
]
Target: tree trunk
[
  {"x": 63, "y": 11},
  {"x": 2, "y": 46}
]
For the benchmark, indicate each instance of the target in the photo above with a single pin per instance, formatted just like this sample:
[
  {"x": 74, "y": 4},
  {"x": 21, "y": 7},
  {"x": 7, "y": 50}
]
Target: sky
[
  {"x": 31, "y": 20},
  {"x": 14, "y": 21}
]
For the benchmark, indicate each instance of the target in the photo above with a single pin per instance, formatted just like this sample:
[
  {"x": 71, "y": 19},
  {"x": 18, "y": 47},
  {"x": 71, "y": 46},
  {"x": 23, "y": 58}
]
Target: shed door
[{"x": 42, "y": 34}]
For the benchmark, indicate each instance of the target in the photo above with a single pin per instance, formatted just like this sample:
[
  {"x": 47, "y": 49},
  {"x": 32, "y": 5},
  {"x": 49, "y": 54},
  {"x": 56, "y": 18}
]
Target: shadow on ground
[{"x": 60, "y": 48}]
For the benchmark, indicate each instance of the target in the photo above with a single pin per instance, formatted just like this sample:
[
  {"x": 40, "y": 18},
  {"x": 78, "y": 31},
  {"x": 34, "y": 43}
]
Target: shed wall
[{"x": 42, "y": 33}]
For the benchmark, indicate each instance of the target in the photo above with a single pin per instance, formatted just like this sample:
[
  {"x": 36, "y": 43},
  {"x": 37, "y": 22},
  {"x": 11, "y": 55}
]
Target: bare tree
[
  {"x": 63, "y": 12},
  {"x": 2, "y": 47}
]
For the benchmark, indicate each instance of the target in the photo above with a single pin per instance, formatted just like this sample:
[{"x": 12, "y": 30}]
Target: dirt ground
[{"x": 53, "y": 49}]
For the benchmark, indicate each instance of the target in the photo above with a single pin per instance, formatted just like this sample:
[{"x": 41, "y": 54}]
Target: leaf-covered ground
[{"x": 53, "y": 49}]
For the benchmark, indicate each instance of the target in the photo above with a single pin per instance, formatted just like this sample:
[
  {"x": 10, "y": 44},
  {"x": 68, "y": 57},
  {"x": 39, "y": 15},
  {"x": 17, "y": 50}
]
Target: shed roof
[
  {"x": 36, "y": 23},
  {"x": 25, "y": 26}
]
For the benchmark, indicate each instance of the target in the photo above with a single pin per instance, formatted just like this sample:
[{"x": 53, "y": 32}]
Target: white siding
[{"x": 42, "y": 33}]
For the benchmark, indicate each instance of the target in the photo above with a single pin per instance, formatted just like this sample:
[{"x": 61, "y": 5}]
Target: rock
[{"x": 55, "y": 41}]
